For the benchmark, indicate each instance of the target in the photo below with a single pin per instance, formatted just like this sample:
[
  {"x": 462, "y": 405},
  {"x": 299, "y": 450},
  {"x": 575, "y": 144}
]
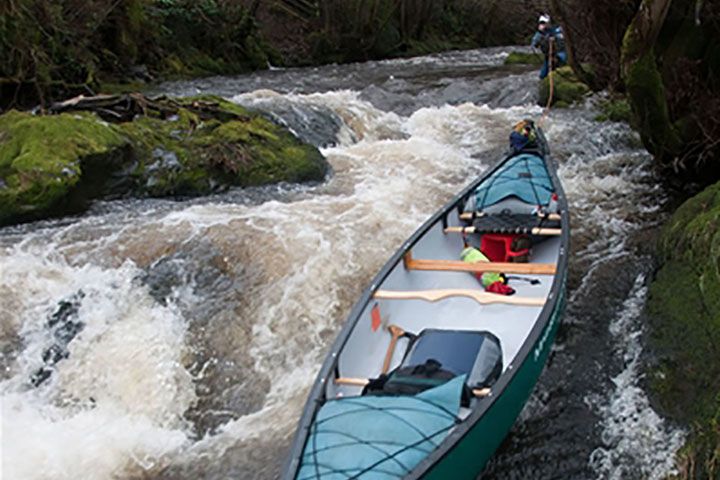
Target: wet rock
[
  {"x": 65, "y": 326},
  {"x": 524, "y": 58},
  {"x": 43, "y": 159},
  {"x": 57, "y": 164},
  {"x": 684, "y": 318}
]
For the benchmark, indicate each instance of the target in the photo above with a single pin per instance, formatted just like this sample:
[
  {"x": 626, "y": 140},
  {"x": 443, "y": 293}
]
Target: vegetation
[
  {"x": 52, "y": 49},
  {"x": 664, "y": 55},
  {"x": 366, "y": 29}
]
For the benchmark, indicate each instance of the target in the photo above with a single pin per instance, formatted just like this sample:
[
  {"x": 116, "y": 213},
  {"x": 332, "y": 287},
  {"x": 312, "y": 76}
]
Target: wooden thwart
[
  {"x": 458, "y": 266},
  {"x": 553, "y": 217},
  {"x": 361, "y": 382},
  {"x": 534, "y": 231},
  {"x": 477, "y": 295}
]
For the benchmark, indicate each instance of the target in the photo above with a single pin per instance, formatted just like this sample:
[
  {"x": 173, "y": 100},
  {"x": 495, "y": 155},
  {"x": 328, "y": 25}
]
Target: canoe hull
[
  {"x": 467, "y": 449},
  {"x": 470, "y": 454}
]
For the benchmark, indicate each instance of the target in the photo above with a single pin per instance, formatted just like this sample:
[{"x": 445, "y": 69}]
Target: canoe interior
[
  {"x": 364, "y": 352},
  {"x": 360, "y": 350}
]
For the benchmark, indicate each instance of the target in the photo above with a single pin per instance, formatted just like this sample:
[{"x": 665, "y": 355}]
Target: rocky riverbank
[
  {"x": 684, "y": 320},
  {"x": 56, "y": 164}
]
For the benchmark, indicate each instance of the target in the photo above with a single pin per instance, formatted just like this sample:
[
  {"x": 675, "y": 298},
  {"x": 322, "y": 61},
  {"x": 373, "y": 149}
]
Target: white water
[
  {"x": 637, "y": 443},
  {"x": 294, "y": 265}
]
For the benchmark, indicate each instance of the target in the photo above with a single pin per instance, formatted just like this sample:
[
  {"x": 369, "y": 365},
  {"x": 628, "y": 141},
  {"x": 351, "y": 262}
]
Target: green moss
[
  {"x": 54, "y": 164},
  {"x": 615, "y": 110},
  {"x": 190, "y": 155},
  {"x": 515, "y": 58},
  {"x": 43, "y": 158},
  {"x": 646, "y": 94},
  {"x": 567, "y": 89},
  {"x": 684, "y": 313}
]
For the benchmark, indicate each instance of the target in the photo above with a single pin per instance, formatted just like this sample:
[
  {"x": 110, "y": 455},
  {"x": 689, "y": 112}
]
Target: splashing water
[{"x": 205, "y": 321}]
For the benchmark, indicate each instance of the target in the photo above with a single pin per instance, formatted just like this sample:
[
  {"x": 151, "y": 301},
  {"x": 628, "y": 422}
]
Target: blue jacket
[{"x": 542, "y": 40}]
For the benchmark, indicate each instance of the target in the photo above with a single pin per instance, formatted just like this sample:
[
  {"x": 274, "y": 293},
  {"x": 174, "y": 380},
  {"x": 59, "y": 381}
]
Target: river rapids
[{"x": 197, "y": 325}]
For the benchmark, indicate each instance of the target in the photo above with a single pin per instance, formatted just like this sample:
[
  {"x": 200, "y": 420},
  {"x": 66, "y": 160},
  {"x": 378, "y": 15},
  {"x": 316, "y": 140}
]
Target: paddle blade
[{"x": 375, "y": 321}]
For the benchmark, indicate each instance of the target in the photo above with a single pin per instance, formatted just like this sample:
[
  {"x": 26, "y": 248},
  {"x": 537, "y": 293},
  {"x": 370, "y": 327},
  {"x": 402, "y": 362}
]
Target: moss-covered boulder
[
  {"x": 52, "y": 164},
  {"x": 523, "y": 58},
  {"x": 566, "y": 88},
  {"x": 684, "y": 315},
  {"x": 55, "y": 164},
  {"x": 196, "y": 151},
  {"x": 615, "y": 110}
]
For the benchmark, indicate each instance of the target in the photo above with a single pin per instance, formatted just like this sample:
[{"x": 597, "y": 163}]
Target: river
[{"x": 200, "y": 323}]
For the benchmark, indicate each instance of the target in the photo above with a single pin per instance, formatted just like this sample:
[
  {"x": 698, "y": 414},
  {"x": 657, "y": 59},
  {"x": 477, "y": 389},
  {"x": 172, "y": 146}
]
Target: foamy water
[
  {"x": 637, "y": 442},
  {"x": 205, "y": 321}
]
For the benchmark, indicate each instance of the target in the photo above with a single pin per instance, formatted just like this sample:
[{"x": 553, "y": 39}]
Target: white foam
[
  {"x": 315, "y": 252},
  {"x": 118, "y": 401},
  {"x": 637, "y": 442}
]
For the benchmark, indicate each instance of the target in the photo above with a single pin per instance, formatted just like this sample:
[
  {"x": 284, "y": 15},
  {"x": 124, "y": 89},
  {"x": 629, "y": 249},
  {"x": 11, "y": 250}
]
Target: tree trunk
[{"x": 645, "y": 88}]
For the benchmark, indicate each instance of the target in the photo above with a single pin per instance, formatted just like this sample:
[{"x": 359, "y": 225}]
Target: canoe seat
[{"x": 436, "y": 356}]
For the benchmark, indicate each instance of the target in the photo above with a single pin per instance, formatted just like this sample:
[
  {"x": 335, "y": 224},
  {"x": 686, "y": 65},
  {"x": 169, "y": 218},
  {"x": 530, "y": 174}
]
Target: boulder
[{"x": 56, "y": 164}]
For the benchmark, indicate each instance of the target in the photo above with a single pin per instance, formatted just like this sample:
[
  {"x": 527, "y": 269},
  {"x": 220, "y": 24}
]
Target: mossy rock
[
  {"x": 567, "y": 88},
  {"x": 189, "y": 155},
  {"x": 615, "y": 110},
  {"x": 522, "y": 58},
  {"x": 51, "y": 164},
  {"x": 684, "y": 318}
]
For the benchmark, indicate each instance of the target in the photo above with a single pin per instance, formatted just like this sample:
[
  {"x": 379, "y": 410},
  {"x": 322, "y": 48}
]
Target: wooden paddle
[
  {"x": 361, "y": 382},
  {"x": 477, "y": 295},
  {"x": 396, "y": 333}
]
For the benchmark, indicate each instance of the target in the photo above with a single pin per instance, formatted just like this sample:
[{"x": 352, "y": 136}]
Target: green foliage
[
  {"x": 684, "y": 313},
  {"x": 54, "y": 49}
]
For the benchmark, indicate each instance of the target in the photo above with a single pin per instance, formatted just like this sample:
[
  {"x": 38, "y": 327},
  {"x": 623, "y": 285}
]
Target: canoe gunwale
[{"x": 316, "y": 394}]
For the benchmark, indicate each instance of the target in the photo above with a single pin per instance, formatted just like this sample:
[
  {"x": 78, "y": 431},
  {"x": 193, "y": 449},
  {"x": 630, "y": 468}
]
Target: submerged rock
[
  {"x": 684, "y": 316},
  {"x": 55, "y": 164}
]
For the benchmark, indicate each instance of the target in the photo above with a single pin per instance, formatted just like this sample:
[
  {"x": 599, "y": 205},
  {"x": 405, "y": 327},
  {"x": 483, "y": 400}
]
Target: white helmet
[{"x": 544, "y": 18}]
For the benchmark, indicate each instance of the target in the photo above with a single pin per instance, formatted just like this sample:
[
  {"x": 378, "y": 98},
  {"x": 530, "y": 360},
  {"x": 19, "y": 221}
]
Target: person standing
[{"x": 549, "y": 39}]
